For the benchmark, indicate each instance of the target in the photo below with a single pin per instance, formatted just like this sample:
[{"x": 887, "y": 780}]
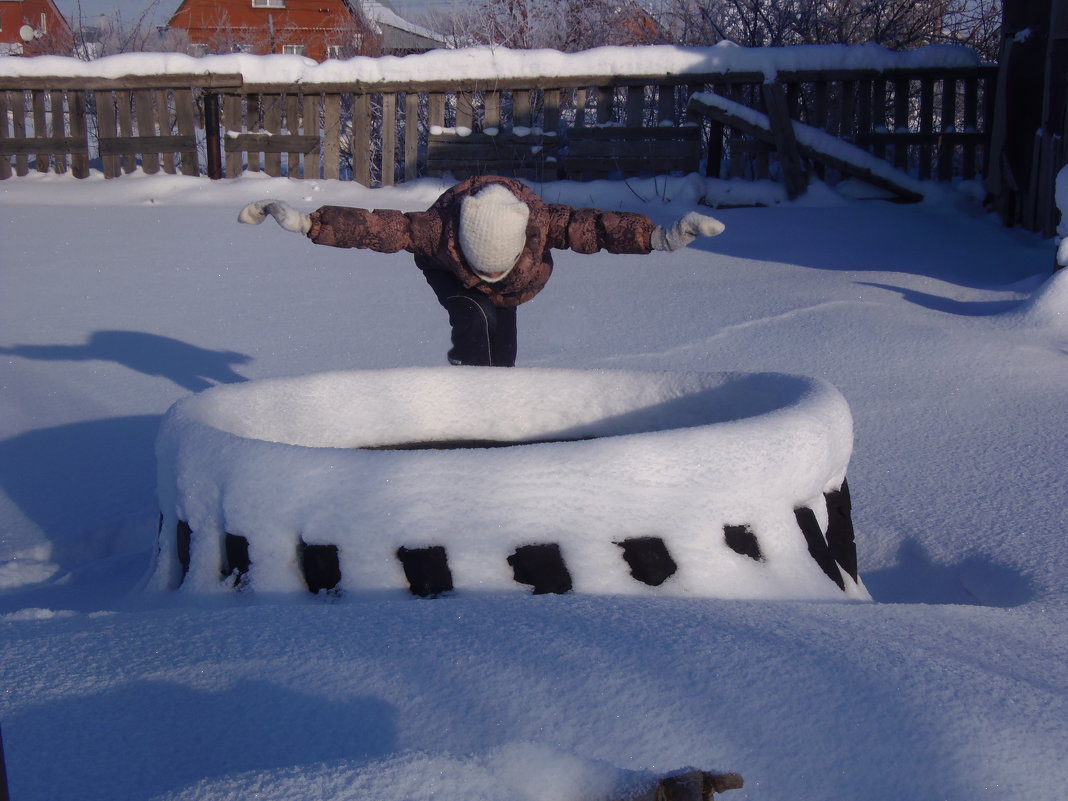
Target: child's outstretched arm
[
  {"x": 384, "y": 230},
  {"x": 590, "y": 230},
  {"x": 288, "y": 217},
  {"x": 685, "y": 230}
]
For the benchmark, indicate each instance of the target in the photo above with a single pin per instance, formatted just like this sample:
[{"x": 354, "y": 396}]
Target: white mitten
[
  {"x": 685, "y": 230},
  {"x": 288, "y": 217}
]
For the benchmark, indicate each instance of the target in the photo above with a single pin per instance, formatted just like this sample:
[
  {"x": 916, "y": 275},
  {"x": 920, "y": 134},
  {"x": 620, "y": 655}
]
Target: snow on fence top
[{"x": 488, "y": 63}]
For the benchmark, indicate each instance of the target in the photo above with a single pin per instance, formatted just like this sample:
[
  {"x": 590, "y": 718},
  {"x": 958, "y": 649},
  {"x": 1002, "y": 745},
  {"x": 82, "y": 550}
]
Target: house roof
[
  {"x": 397, "y": 33},
  {"x": 386, "y": 18}
]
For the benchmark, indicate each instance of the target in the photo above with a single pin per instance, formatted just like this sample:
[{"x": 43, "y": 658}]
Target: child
[{"x": 484, "y": 248}]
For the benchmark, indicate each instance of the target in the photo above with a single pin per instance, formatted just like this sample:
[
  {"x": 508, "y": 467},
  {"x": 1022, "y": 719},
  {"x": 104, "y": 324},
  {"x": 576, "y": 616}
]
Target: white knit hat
[{"x": 493, "y": 231}]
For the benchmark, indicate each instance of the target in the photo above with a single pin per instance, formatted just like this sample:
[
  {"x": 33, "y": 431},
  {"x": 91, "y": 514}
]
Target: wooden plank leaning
[
  {"x": 782, "y": 134},
  {"x": 812, "y": 144}
]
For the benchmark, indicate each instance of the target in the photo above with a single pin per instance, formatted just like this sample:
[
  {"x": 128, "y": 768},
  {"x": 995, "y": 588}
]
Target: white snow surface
[
  {"x": 943, "y": 331},
  {"x": 622, "y": 454},
  {"x": 497, "y": 63}
]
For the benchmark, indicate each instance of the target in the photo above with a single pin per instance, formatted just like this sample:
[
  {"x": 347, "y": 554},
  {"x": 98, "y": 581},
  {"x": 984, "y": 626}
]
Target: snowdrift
[{"x": 431, "y": 480}]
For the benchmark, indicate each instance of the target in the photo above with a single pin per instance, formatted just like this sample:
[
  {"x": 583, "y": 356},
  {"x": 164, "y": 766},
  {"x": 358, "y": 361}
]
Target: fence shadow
[
  {"x": 190, "y": 367},
  {"x": 961, "y": 308}
]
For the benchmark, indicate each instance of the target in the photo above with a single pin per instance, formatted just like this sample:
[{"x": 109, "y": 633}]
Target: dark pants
[{"x": 482, "y": 334}]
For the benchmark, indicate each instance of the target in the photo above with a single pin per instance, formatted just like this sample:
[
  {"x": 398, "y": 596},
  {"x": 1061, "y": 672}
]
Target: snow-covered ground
[{"x": 945, "y": 333}]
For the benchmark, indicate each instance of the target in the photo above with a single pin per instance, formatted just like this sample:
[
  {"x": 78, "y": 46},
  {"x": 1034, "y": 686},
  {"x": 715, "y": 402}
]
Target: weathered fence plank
[
  {"x": 550, "y": 99},
  {"x": 947, "y": 125},
  {"x": 40, "y": 127},
  {"x": 310, "y": 115},
  {"x": 5, "y": 164},
  {"x": 272, "y": 124},
  {"x": 184, "y": 112},
  {"x": 926, "y": 123},
  {"x": 971, "y": 125},
  {"x": 59, "y": 127},
  {"x": 411, "y": 135},
  {"x": 146, "y": 129},
  {"x": 521, "y": 108},
  {"x": 332, "y": 136},
  {"x": 389, "y": 138},
  {"x": 232, "y": 126},
  {"x": 18, "y": 129},
  {"x": 901, "y": 120},
  {"x": 165, "y": 127},
  {"x": 782, "y": 133},
  {"x": 361, "y": 139},
  {"x": 293, "y": 127},
  {"x": 635, "y": 106},
  {"x": 108, "y": 131},
  {"x": 79, "y": 132}
]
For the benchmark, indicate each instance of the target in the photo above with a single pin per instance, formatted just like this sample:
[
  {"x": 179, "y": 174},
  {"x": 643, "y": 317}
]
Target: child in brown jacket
[{"x": 484, "y": 248}]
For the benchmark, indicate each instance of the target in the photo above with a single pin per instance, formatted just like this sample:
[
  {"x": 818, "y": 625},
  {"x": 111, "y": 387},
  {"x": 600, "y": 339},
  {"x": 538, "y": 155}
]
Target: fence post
[{"x": 211, "y": 127}]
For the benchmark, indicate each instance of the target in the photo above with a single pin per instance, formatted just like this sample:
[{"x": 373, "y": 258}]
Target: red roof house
[
  {"x": 33, "y": 27},
  {"x": 319, "y": 29}
]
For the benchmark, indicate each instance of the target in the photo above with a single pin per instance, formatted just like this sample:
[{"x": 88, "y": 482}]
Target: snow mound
[
  {"x": 427, "y": 480},
  {"x": 1048, "y": 307}
]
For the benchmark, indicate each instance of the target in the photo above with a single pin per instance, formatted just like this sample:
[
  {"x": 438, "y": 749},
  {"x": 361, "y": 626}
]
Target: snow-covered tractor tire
[{"x": 427, "y": 481}]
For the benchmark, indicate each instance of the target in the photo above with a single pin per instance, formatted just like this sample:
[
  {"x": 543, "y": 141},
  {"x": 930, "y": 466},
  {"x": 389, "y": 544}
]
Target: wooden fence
[{"x": 933, "y": 123}]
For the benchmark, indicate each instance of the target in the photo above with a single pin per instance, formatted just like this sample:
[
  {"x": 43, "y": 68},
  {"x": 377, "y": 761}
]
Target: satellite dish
[{"x": 28, "y": 33}]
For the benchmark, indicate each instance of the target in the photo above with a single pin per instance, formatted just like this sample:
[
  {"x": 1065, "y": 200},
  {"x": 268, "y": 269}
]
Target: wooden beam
[
  {"x": 132, "y": 145},
  {"x": 128, "y": 82},
  {"x": 782, "y": 133},
  {"x": 819, "y": 148},
  {"x": 268, "y": 143}
]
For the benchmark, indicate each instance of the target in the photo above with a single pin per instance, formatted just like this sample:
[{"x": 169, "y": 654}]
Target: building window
[
  {"x": 245, "y": 48},
  {"x": 294, "y": 50},
  {"x": 333, "y": 51},
  {"x": 198, "y": 49},
  {"x": 268, "y": 3}
]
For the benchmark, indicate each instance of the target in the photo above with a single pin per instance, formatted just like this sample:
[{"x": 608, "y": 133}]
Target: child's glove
[
  {"x": 288, "y": 217},
  {"x": 684, "y": 231}
]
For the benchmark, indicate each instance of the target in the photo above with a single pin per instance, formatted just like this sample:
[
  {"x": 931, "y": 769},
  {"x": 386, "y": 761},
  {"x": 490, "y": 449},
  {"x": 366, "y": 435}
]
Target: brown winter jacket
[{"x": 431, "y": 236}]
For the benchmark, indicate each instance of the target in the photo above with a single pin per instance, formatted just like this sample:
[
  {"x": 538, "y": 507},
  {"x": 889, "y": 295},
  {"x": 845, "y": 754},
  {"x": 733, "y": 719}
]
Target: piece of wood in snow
[
  {"x": 782, "y": 133},
  {"x": 812, "y": 143}
]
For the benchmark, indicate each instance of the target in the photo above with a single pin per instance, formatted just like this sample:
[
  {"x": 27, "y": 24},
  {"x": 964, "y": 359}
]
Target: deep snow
[{"x": 945, "y": 333}]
